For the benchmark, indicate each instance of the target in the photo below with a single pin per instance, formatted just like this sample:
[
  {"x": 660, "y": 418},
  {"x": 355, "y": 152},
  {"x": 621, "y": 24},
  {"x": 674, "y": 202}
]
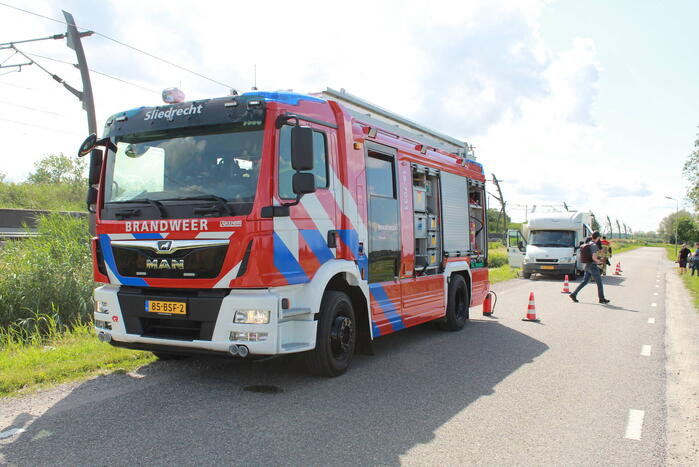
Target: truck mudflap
[{"x": 199, "y": 321}]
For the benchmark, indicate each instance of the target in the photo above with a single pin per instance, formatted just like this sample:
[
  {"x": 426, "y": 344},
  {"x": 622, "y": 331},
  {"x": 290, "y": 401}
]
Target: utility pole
[
  {"x": 500, "y": 198},
  {"x": 73, "y": 40}
]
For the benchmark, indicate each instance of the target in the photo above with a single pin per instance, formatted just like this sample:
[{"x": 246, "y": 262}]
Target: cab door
[{"x": 516, "y": 246}]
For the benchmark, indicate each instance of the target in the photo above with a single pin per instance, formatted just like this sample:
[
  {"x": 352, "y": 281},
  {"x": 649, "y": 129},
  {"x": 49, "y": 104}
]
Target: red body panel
[{"x": 290, "y": 250}]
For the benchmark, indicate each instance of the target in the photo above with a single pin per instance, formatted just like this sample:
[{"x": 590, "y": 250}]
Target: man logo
[
  {"x": 164, "y": 245},
  {"x": 165, "y": 264}
]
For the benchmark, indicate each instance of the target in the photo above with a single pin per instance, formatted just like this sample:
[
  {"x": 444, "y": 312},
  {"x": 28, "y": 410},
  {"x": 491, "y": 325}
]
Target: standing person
[
  {"x": 695, "y": 262},
  {"x": 682, "y": 258},
  {"x": 590, "y": 260}
]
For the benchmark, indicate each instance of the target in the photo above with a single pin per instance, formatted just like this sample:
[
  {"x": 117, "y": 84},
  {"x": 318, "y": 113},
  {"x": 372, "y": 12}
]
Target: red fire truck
[{"x": 271, "y": 223}]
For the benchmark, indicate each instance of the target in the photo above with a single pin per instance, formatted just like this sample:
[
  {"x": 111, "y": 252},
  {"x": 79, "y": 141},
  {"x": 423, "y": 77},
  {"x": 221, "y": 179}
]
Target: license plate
[
  {"x": 172, "y": 308},
  {"x": 546, "y": 267}
]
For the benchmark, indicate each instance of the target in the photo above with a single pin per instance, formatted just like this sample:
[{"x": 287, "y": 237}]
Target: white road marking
[
  {"x": 651, "y": 320},
  {"x": 12, "y": 432},
  {"x": 653, "y": 304},
  {"x": 645, "y": 350},
  {"x": 634, "y": 425}
]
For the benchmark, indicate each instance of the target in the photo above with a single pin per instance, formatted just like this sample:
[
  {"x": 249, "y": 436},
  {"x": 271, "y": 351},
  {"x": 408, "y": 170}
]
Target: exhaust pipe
[
  {"x": 243, "y": 351},
  {"x": 233, "y": 350},
  {"x": 104, "y": 337}
]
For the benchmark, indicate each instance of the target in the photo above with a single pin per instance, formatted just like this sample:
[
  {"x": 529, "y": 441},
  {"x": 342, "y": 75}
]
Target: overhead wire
[
  {"x": 39, "y": 126},
  {"x": 124, "y": 45},
  {"x": 34, "y": 108},
  {"x": 97, "y": 72}
]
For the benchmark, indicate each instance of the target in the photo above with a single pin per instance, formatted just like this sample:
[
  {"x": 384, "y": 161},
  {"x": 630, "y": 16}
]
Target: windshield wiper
[
  {"x": 156, "y": 204},
  {"x": 222, "y": 203}
]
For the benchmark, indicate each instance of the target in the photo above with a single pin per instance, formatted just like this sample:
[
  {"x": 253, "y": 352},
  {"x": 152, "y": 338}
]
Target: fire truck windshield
[{"x": 184, "y": 167}]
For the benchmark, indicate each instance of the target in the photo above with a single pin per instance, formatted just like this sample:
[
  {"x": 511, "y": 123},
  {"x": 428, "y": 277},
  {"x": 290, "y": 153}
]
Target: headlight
[
  {"x": 567, "y": 259},
  {"x": 527, "y": 259},
  {"x": 251, "y": 317},
  {"x": 101, "y": 307}
]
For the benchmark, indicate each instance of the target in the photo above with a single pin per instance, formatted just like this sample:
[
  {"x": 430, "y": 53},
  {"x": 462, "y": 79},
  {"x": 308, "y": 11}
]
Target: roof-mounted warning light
[{"x": 173, "y": 96}]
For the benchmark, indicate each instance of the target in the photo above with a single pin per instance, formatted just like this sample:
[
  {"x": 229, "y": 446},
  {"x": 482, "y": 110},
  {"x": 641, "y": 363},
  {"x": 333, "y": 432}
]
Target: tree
[
  {"x": 595, "y": 225},
  {"x": 56, "y": 169},
  {"x": 691, "y": 173},
  {"x": 667, "y": 226},
  {"x": 687, "y": 231},
  {"x": 495, "y": 227},
  {"x": 2, "y": 177}
]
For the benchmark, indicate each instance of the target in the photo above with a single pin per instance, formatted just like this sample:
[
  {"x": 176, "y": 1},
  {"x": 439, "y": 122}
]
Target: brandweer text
[{"x": 163, "y": 226}]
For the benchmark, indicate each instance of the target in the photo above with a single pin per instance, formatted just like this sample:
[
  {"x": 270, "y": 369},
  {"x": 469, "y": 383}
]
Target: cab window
[{"x": 320, "y": 161}]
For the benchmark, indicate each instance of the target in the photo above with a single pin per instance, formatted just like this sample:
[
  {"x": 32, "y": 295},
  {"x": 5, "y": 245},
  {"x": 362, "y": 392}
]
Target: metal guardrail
[{"x": 22, "y": 223}]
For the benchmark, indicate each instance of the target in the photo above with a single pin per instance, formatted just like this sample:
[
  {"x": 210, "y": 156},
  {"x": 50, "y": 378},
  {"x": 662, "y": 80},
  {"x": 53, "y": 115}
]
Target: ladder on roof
[{"x": 374, "y": 115}]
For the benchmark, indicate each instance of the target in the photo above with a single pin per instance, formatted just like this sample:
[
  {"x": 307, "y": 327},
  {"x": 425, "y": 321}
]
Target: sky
[{"x": 589, "y": 103}]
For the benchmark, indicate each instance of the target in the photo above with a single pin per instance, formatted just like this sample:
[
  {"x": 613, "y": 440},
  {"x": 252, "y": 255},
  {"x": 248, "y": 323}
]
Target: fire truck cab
[{"x": 273, "y": 223}]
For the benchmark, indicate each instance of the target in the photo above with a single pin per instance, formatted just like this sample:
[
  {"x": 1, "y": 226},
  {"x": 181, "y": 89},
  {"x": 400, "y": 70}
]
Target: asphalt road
[{"x": 579, "y": 388}]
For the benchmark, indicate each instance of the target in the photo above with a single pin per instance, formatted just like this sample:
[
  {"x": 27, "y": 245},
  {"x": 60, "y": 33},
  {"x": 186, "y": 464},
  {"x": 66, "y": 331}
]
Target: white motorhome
[{"x": 548, "y": 243}]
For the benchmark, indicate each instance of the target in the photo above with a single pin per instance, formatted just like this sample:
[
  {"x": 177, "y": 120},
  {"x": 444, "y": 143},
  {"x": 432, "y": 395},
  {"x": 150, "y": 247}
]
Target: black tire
[
  {"x": 458, "y": 303},
  {"x": 526, "y": 275},
  {"x": 336, "y": 337}
]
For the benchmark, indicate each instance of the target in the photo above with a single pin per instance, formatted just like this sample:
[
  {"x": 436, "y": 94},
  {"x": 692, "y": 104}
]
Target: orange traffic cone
[
  {"x": 618, "y": 270},
  {"x": 531, "y": 309},
  {"x": 565, "y": 285}
]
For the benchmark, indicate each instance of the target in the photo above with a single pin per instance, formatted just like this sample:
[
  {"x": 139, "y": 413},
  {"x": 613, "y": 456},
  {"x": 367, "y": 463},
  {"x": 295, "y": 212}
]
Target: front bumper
[
  {"x": 549, "y": 268},
  {"x": 208, "y": 325}
]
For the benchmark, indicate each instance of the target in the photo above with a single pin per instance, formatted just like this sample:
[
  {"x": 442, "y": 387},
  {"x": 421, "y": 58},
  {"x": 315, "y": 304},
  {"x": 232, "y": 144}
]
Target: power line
[
  {"x": 124, "y": 45},
  {"x": 35, "y": 109},
  {"x": 39, "y": 126},
  {"x": 97, "y": 72}
]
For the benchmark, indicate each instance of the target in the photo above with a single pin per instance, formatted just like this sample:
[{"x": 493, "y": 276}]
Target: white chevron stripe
[
  {"x": 213, "y": 235},
  {"x": 226, "y": 280},
  {"x": 319, "y": 215},
  {"x": 121, "y": 236},
  {"x": 287, "y": 231},
  {"x": 349, "y": 208}
]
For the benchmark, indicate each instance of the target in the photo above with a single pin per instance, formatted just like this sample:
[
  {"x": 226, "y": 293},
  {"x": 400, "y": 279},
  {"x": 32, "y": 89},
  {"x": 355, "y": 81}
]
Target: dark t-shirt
[{"x": 684, "y": 252}]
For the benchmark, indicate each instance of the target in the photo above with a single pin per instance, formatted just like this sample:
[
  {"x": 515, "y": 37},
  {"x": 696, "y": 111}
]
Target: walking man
[{"x": 590, "y": 260}]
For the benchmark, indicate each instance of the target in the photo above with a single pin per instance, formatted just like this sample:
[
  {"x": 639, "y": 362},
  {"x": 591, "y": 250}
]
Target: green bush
[
  {"x": 497, "y": 258},
  {"x": 25, "y": 195},
  {"x": 49, "y": 275}
]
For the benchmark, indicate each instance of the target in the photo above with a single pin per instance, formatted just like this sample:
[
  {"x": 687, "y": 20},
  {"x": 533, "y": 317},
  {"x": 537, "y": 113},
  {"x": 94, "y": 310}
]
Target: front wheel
[
  {"x": 336, "y": 336},
  {"x": 457, "y": 305},
  {"x": 526, "y": 275}
]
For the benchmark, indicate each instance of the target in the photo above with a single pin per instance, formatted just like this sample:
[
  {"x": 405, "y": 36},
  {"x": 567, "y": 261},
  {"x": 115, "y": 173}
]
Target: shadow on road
[{"x": 197, "y": 411}]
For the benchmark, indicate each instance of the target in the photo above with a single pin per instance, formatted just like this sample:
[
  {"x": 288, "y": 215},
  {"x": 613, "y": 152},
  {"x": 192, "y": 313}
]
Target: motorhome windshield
[
  {"x": 184, "y": 166},
  {"x": 552, "y": 238}
]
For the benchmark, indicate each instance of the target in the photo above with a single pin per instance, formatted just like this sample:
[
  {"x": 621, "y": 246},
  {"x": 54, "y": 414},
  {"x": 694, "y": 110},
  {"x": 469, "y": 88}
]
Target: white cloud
[{"x": 477, "y": 70}]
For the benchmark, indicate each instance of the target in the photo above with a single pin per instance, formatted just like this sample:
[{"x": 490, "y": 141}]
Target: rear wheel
[
  {"x": 458, "y": 303},
  {"x": 336, "y": 336}
]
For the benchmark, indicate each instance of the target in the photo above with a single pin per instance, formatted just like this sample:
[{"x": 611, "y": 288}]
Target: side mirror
[
  {"x": 91, "y": 199},
  {"x": 88, "y": 145},
  {"x": 95, "y": 167},
  {"x": 301, "y": 148},
  {"x": 520, "y": 245},
  {"x": 303, "y": 183}
]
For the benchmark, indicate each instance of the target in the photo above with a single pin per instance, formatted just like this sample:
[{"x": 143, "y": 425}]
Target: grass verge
[
  {"x": 502, "y": 273},
  {"x": 75, "y": 355}
]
